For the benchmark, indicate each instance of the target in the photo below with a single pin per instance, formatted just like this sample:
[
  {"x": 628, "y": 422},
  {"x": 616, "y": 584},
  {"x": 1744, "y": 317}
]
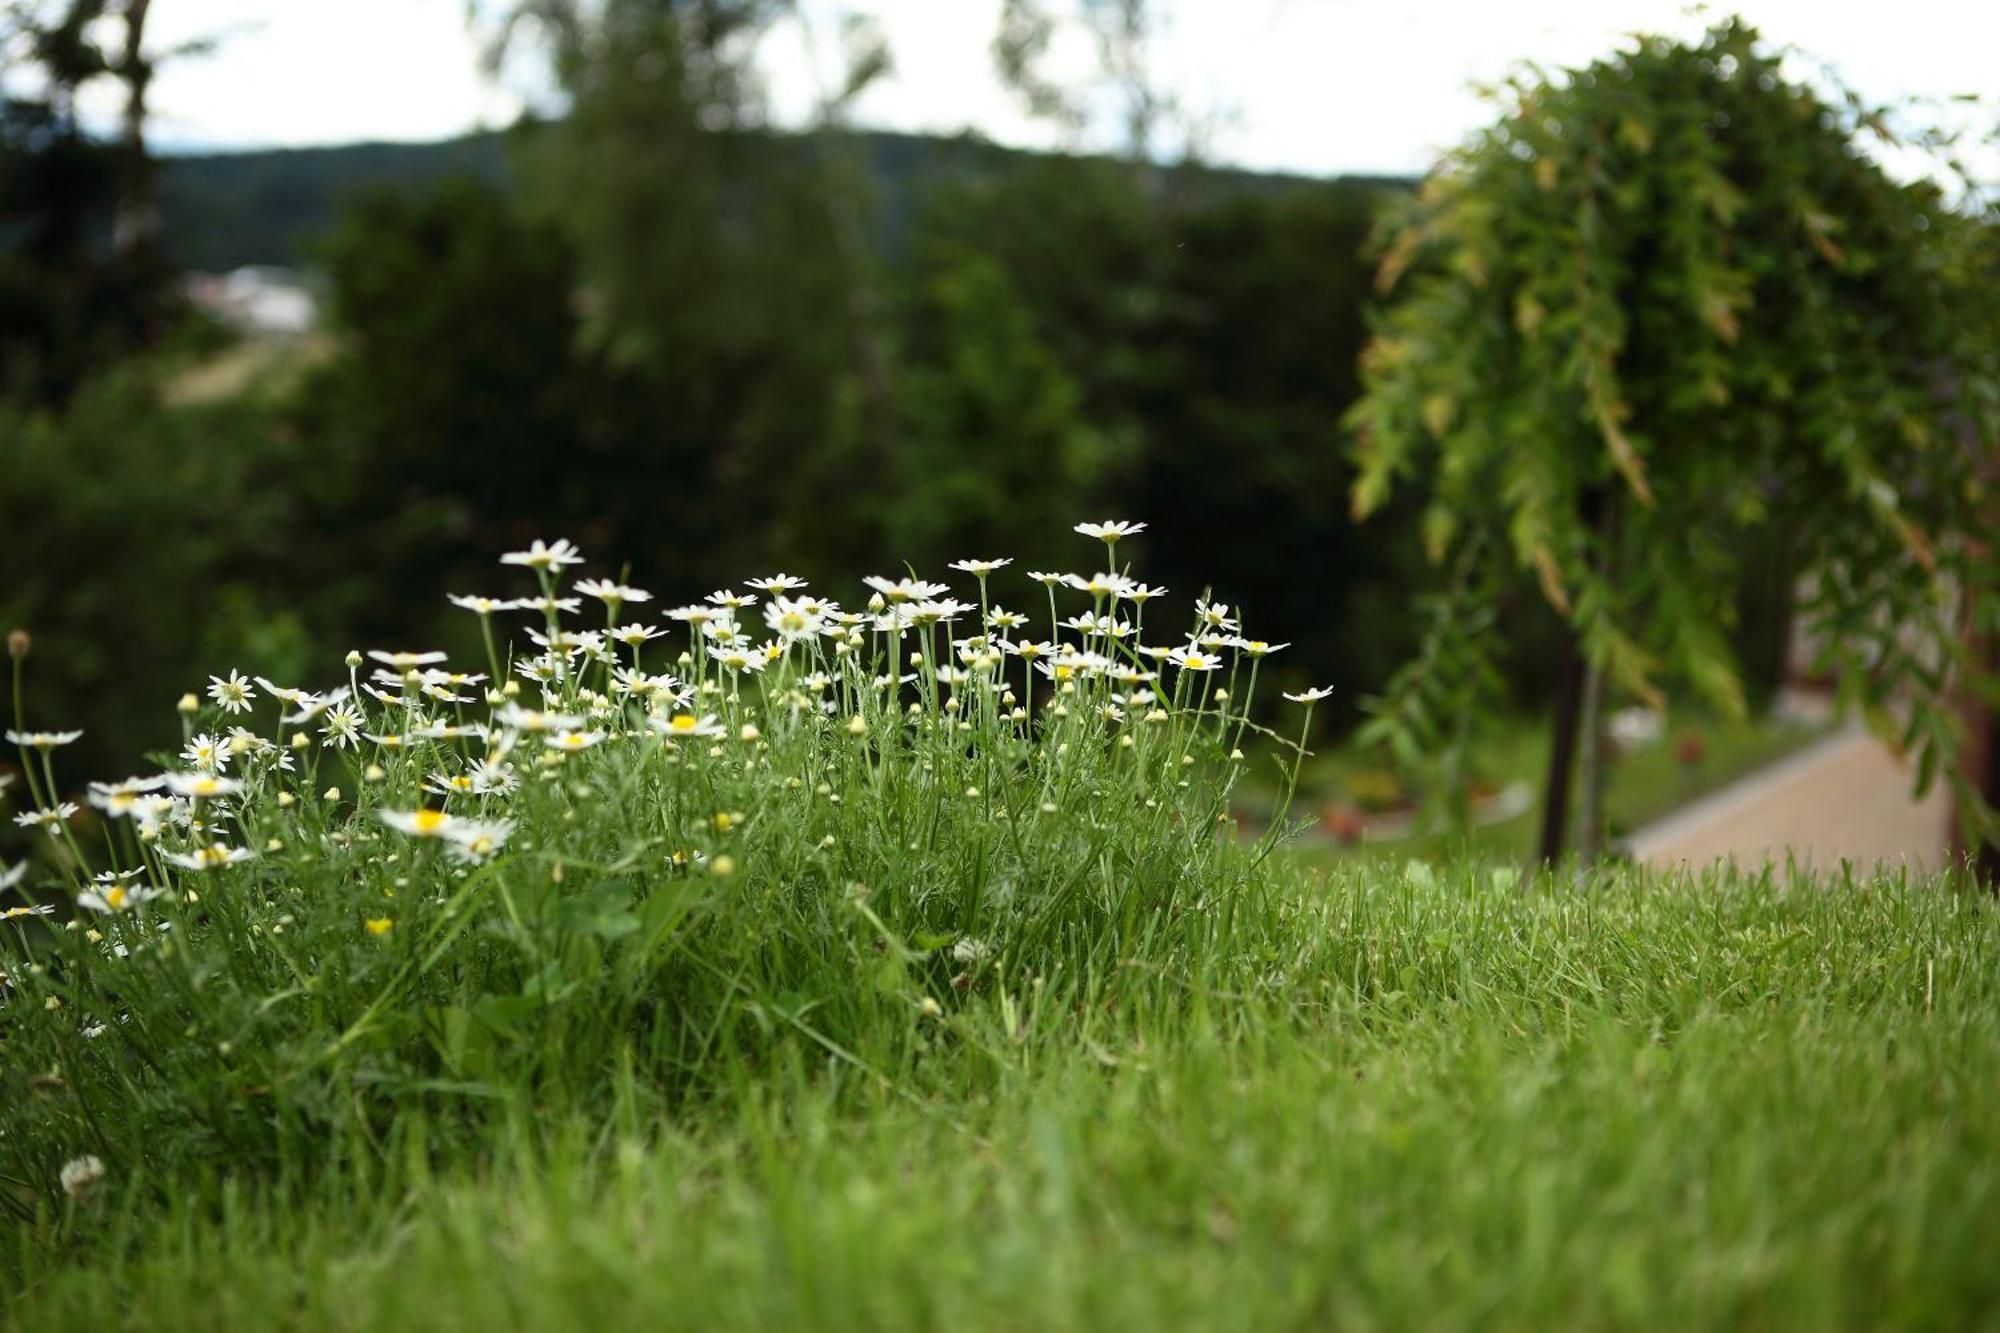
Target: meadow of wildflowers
[{"x": 780, "y": 961}]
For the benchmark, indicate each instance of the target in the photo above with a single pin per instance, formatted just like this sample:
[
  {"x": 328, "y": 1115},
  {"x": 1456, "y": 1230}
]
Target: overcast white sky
[{"x": 1320, "y": 86}]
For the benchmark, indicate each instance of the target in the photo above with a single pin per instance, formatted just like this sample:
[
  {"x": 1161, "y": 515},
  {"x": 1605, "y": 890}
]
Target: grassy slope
[{"x": 1449, "y": 1104}]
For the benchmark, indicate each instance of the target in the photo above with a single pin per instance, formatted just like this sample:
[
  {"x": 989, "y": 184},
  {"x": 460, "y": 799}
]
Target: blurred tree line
[{"x": 714, "y": 350}]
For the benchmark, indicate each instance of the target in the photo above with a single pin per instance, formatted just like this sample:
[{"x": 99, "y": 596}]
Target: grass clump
[{"x": 473, "y": 893}]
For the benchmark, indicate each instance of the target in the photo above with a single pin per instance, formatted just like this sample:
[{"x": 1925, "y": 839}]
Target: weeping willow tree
[{"x": 1665, "y": 301}]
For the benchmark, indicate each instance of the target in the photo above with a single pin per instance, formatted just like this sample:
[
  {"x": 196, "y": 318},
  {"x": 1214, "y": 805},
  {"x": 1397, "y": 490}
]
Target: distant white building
[{"x": 258, "y": 299}]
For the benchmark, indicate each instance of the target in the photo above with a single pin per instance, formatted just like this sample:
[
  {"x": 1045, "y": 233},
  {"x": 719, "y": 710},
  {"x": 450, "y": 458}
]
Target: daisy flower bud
[
  {"x": 512, "y": 689},
  {"x": 857, "y": 725},
  {"x": 18, "y": 643},
  {"x": 301, "y": 741},
  {"x": 750, "y": 732},
  {"x": 286, "y": 800},
  {"x": 722, "y": 867},
  {"x": 188, "y": 703},
  {"x": 374, "y": 773},
  {"x": 332, "y": 794},
  {"x": 353, "y": 658}
]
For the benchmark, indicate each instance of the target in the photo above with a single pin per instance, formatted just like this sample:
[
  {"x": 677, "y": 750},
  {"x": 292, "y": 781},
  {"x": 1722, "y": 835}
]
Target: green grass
[
  {"x": 1628, "y": 1103},
  {"x": 876, "y": 982},
  {"x": 1643, "y": 785}
]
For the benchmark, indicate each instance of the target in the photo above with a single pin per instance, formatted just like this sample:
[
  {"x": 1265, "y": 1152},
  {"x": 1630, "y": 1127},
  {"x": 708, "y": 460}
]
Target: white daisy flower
[
  {"x": 44, "y": 740},
  {"x": 610, "y": 593},
  {"x": 211, "y": 857},
  {"x": 773, "y": 584},
  {"x": 119, "y": 799},
  {"x": 343, "y": 727},
  {"x": 490, "y": 775},
  {"x": 1311, "y": 696},
  {"x": 207, "y": 752},
  {"x": 1257, "y": 647},
  {"x": 12, "y": 878},
  {"x": 547, "y": 605},
  {"x": 686, "y": 726},
  {"x": 477, "y": 840},
  {"x": 696, "y": 615},
  {"x": 545, "y": 556},
  {"x": 906, "y": 589},
  {"x": 1216, "y": 616},
  {"x": 527, "y": 719},
  {"x": 1193, "y": 659},
  {"x": 445, "y": 731},
  {"x": 312, "y": 705},
  {"x": 452, "y": 784},
  {"x": 789, "y": 620},
  {"x": 730, "y": 600},
  {"x": 928, "y": 612},
  {"x": 1099, "y": 585},
  {"x": 737, "y": 659},
  {"x": 232, "y": 693},
  {"x": 417, "y": 823},
  {"x": 981, "y": 568},
  {"x": 406, "y": 661},
  {"x": 484, "y": 606},
  {"x": 202, "y": 786},
  {"x": 50, "y": 821},
  {"x": 1111, "y": 531},
  {"x": 113, "y": 894},
  {"x": 635, "y": 634},
  {"x": 573, "y": 741}
]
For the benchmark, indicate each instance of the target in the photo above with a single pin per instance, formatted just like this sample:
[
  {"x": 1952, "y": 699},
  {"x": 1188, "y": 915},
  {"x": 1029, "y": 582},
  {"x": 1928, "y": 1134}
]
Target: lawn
[
  {"x": 864, "y": 977},
  {"x": 1630, "y": 1102},
  {"x": 1645, "y": 782}
]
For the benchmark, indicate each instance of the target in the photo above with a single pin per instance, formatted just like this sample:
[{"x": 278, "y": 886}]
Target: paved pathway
[{"x": 1844, "y": 797}]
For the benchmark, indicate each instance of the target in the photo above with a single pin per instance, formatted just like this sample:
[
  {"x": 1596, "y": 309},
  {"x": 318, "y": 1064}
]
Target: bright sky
[{"x": 1321, "y": 86}]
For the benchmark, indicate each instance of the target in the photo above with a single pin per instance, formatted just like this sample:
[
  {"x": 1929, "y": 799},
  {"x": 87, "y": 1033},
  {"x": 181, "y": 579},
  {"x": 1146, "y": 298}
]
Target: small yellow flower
[
  {"x": 722, "y": 867},
  {"x": 381, "y": 925}
]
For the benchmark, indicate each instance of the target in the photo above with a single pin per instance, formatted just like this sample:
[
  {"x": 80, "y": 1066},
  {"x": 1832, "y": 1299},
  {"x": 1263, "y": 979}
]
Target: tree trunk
[
  {"x": 1594, "y": 770},
  {"x": 1579, "y": 691},
  {"x": 136, "y": 223},
  {"x": 1562, "y": 748}
]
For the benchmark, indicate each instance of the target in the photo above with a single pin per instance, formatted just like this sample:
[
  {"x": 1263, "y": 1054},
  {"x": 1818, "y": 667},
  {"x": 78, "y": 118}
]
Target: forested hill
[{"x": 224, "y": 210}]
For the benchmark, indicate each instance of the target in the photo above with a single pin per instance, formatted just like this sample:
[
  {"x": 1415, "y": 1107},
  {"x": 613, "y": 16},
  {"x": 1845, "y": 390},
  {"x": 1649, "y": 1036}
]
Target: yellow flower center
[
  {"x": 428, "y": 822},
  {"x": 115, "y": 895},
  {"x": 683, "y": 722}
]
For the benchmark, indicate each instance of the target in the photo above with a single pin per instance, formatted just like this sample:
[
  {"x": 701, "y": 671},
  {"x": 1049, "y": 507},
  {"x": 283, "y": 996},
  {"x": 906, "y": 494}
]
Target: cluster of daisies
[{"x": 438, "y": 754}]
